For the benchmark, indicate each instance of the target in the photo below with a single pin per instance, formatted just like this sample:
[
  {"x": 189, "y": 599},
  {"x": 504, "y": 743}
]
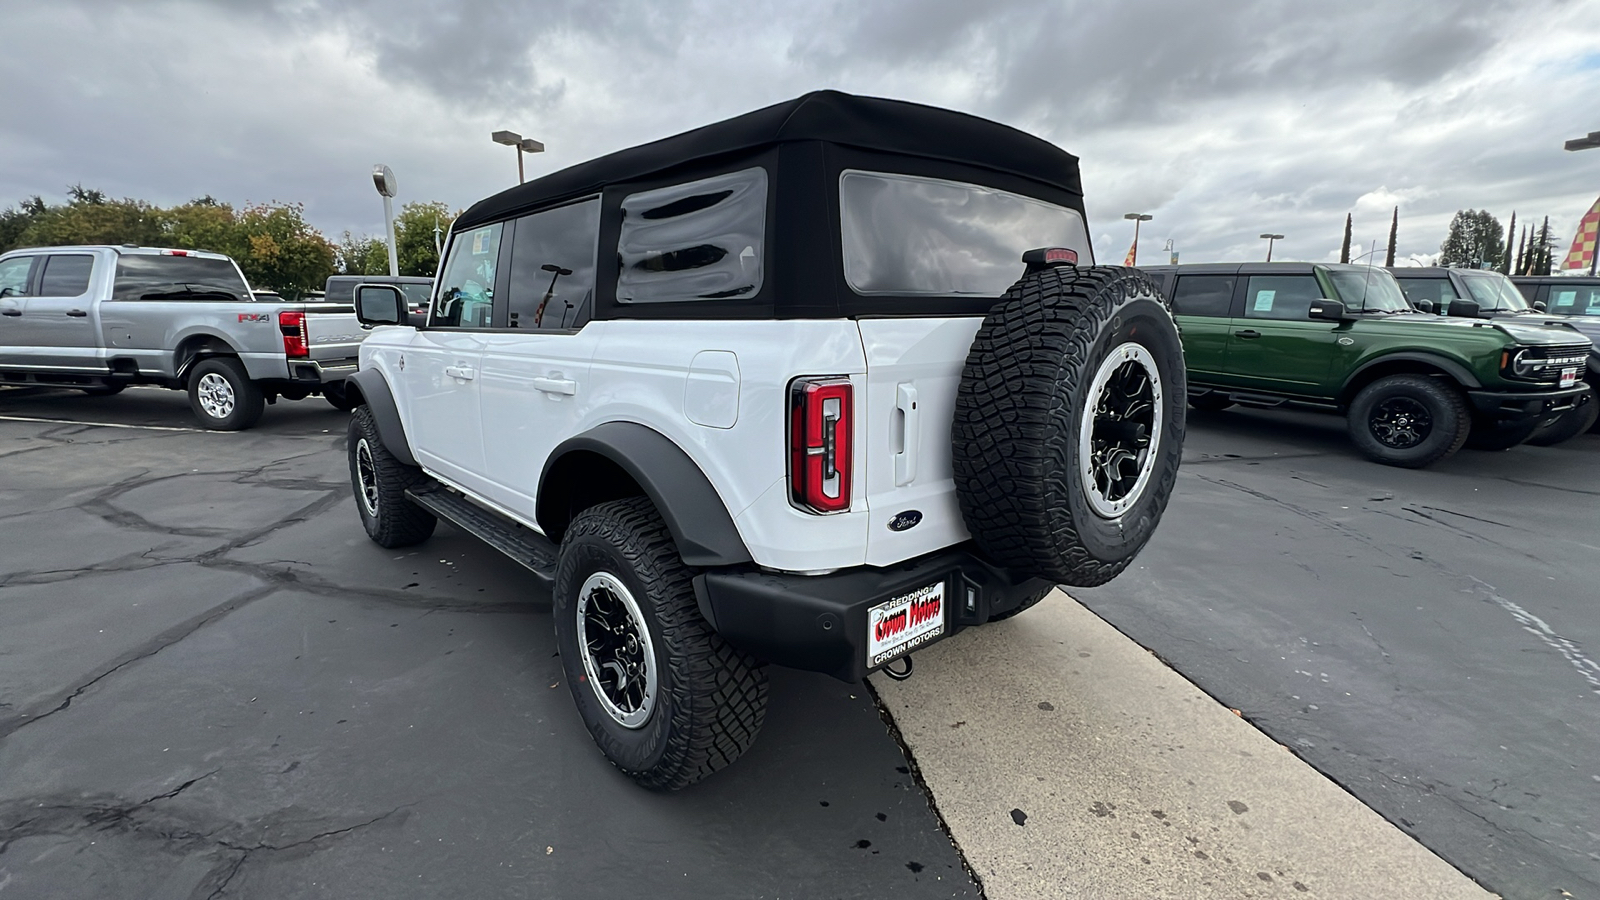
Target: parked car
[
  {"x": 101, "y": 318},
  {"x": 1490, "y": 295},
  {"x": 418, "y": 290},
  {"x": 816, "y": 386},
  {"x": 1414, "y": 388}
]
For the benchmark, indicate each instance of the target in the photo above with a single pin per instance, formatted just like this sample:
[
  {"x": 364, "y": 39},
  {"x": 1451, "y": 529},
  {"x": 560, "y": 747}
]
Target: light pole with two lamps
[
  {"x": 1587, "y": 143},
  {"x": 523, "y": 145},
  {"x": 1269, "y": 238}
]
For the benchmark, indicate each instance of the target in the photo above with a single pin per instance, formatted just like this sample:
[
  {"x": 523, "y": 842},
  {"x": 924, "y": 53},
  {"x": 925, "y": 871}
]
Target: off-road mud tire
[
  {"x": 1027, "y": 603},
  {"x": 1021, "y": 400},
  {"x": 711, "y": 698},
  {"x": 1570, "y": 424},
  {"x": 338, "y": 397},
  {"x": 389, "y": 518},
  {"x": 247, "y": 400},
  {"x": 1451, "y": 420}
]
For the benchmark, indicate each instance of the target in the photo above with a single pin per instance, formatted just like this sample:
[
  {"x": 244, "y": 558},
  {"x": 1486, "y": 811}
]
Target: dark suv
[{"x": 1342, "y": 338}]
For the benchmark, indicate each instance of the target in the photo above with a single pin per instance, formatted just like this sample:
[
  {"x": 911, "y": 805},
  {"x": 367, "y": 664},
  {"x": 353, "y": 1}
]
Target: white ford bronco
[{"x": 815, "y": 386}]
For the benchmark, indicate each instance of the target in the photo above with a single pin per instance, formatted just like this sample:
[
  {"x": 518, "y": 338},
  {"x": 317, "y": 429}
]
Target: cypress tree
[
  {"x": 1505, "y": 261},
  {"x": 1394, "y": 231},
  {"x": 1344, "y": 250}
]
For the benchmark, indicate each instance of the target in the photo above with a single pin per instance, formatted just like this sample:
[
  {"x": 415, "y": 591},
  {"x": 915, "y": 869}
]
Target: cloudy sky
[{"x": 1221, "y": 119}]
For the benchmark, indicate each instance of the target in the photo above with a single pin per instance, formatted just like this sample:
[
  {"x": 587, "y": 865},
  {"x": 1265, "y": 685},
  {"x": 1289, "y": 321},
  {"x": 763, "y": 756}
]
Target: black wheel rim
[
  {"x": 617, "y": 652},
  {"x": 1400, "y": 422},
  {"x": 1120, "y": 441},
  {"x": 367, "y": 477}
]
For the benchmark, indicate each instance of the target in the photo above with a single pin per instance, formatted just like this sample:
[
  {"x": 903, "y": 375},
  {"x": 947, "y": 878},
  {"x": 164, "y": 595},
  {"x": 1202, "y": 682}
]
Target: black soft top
[{"x": 831, "y": 117}]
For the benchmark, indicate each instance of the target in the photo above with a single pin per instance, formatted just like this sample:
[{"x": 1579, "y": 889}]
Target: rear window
[
  {"x": 1203, "y": 295},
  {"x": 145, "y": 276},
  {"x": 910, "y": 235}
]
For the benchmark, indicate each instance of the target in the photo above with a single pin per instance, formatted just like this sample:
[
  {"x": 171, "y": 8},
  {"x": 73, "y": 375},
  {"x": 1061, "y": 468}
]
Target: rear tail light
[
  {"x": 292, "y": 324},
  {"x": 821, "y": 427}
]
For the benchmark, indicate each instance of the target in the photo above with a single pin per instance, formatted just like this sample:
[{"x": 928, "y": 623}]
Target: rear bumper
[
  {"x": 321, "y": 371},
  {"x": 1511, "y": 408},
  {"x": 819, "y": 622}
]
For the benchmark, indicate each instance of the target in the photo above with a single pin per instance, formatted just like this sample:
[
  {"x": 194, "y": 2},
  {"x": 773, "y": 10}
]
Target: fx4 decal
[{"x": 255, "y": 317}]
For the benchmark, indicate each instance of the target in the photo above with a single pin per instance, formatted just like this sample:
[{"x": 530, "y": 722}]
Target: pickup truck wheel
[
  {"x": 1069, "y": 423},
  {"x": 667, "y": 700},
  {"x": 1409, "y": 421},
  {"x": 337, "y": 397},
  {"x": 222, "y": 395},
  {"x": 380, "y": 482},
  {"x": 1570, "y": 424}
]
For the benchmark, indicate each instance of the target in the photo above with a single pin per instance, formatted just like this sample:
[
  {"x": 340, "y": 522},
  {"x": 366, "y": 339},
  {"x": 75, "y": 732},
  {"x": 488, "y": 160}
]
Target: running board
[{"x": 524, "y": 545}]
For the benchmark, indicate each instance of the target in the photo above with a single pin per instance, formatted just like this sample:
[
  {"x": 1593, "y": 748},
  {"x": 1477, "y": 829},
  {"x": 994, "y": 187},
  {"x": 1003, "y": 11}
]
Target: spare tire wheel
[{"x": 1069, "y": 423}]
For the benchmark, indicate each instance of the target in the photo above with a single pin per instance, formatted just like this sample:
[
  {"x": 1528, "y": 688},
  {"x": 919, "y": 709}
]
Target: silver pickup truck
[{"x": 102, "y": 318}]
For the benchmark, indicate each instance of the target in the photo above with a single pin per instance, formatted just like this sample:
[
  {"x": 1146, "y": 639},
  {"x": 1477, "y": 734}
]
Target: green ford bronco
[{"x": 1342, "y": 338}]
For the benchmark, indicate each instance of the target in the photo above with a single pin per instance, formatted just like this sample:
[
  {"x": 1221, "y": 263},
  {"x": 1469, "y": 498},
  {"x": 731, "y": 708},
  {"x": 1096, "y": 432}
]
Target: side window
[
  {"x": 1580, "y": 300},
  {"x": 552, "y": 267},
  {"x": 466, "y": 287},
  {"x": 66, "y": 275},
  {"x": 1203, "y": 295},
  {"x": 1281, "y": 296},
  {"x": 1436, "y": 289},
  {"x": 14, "y": 276},
  {"x": 703, "y": 240}
]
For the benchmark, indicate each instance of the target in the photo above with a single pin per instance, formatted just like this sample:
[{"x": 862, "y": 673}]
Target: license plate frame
[{"x": 907, "y": 621}]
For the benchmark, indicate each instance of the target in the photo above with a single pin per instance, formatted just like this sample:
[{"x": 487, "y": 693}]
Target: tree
[
  {"x": 89, "y": 218},
  {"x": 414, "y": 236},
  {"x": 1544, "y": 249},
  {"x": 361, "y": 256},
  {"x": 1394, "y": 233},
  {"x": 1474, "y": 241},
  {"x": 1344, "y": 249},
  {"x": 1522, "y": 247},
  {"x": 282, "y": 252}
]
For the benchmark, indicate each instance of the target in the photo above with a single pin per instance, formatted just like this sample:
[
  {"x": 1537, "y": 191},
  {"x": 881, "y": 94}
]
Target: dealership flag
[
  {"x": 1581, "y": 256},
  {"x": 1132, "y": 259}
]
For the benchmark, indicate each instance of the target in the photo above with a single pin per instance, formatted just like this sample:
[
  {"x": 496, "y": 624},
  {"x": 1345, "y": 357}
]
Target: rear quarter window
[
  {"x": 1203, "y": 295},
  {"x": 702, "y": 240}
]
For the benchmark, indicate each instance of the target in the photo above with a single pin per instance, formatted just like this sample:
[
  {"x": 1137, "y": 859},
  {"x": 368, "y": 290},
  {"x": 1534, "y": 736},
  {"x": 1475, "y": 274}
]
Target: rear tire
[
  {"x": 1027, "y": 603},
  {"x": 1069, "y": 423},
  {"x": 222, "y": 395},
  {"x": 380, "y": 482},
  {"x": 337, "y": 397},
  {"x": 667, "y": 700},
  {"x": 1410, "y": 421},
  {"x": 1493, "y": 437},
  {"x": 1570, "y": 424}
]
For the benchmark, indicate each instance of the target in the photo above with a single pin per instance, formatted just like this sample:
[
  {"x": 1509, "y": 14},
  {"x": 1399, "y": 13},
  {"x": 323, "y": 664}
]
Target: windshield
[
  {"x": 1494, "y": 292},
  {"x": 1370, "y": 290},
  {"x": 417, "y": 295}
]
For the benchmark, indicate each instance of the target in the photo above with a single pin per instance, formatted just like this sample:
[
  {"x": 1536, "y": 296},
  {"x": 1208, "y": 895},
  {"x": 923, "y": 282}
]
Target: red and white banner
[{"x": 1581, "y": 256}]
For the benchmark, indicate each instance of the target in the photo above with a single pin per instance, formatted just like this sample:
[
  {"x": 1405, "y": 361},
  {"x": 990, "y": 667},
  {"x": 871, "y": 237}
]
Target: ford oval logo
[{"x": 905, "y": 521}]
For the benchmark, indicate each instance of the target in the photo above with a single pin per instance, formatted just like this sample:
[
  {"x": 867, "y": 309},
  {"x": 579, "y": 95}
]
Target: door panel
[
  {"x": 1201, "y": 304},
  {"x": 16, "y": 274},
  {"x": 440, "y": 370},
  {"x": 59, "y": 326},
  {"x": 1274, "y": 345},
  {"x": 534, "y": 391}
]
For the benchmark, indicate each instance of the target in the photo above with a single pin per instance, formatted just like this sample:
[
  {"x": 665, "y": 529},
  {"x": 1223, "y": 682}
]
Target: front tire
[
  {"x": 222, "y": 395},
  {"x": 1410, "y": 421},
  {"x": 1069, "y": 423},
  {"x": 667, "y": 700},
  {"x": 1571, "y": 423},
  {"x": 380, "y": 482}
]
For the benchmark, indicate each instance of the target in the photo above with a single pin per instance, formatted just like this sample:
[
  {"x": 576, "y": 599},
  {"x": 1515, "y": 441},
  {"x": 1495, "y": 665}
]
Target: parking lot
[{"x": 212, "y": 683}]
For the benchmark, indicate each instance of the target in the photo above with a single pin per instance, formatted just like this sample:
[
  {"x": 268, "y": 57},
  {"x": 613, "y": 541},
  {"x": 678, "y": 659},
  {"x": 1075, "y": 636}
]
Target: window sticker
[
  {"x": 482, "y": 240},
  {"x": 1566, "y": 298},
  {"x": 1264, "y": 300}
]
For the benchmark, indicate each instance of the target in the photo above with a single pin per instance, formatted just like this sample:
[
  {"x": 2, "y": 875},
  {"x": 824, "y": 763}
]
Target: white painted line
[{"x": 107, "y": 424}]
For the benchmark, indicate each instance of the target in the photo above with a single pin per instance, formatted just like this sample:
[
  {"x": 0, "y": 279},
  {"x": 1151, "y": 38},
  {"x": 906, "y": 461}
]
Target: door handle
[
  {"x": 76, "y": 313},
  {"x": 562, "y": 386},
  {"x": 905, "y": 462},
  {"x": 464, "y": 373},
  {"x": 10, "y": 312},
  {"x": 1248, "y": 333}
]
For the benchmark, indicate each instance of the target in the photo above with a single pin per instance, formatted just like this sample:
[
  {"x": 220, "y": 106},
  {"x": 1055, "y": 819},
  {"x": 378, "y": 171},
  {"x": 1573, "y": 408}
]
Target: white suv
[{"x": 815, "y": 386}]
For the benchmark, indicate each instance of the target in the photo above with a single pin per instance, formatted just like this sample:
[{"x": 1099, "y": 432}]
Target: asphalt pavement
[
  {"x": 213, "y": 685},
  {"x": 1428, "y": 639}
]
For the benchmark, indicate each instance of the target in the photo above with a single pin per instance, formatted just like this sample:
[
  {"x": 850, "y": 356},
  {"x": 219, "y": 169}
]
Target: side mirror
[
  {"x": 1464, "y": 309},
  {"x": 1424, "y": 306},
  {"x": 1327, "y": 311},
  {"x": 381, "y": 304},
  {"x": 1540, "y": 305}
]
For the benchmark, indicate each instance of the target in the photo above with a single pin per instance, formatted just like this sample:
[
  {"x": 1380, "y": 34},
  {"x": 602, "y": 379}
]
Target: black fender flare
[
  {"x": 374, "y": 391},
  {"x": 693, "y": 510},
  {"x": 1456, "y": 370}
]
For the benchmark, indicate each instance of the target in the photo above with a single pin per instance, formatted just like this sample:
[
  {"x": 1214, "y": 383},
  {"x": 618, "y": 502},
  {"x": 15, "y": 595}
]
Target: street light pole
[
  {"x": 523, "y": 145},
  {"x": 383, "y": 180},
  {"x": 1270, "y": 238},
  {"x": 1587, "y": 143},
  {"x": 1137, "y": 218}
]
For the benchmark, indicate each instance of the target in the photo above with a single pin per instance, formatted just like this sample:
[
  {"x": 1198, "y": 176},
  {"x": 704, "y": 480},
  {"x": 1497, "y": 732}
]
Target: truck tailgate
[{"x": 333, "y": 333}]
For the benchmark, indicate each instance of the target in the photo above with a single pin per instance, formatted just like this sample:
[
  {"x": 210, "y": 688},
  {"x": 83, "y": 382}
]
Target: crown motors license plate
[
  {"x": 904, "y": 624},
  {"x": 1569, "y": 377}
]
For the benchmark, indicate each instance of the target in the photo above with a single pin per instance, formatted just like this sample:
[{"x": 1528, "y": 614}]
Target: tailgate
[
  {"x": 913, "y": 369},
  {"x": 333, "y": 333}
]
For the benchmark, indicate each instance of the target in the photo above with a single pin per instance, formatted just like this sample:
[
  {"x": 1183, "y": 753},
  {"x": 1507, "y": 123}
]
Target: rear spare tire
[{"x": 1069, "y": 423}]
